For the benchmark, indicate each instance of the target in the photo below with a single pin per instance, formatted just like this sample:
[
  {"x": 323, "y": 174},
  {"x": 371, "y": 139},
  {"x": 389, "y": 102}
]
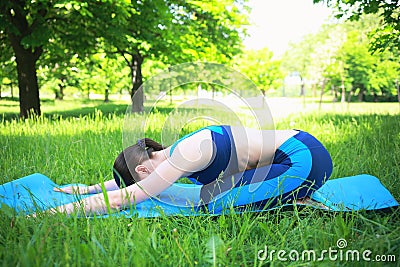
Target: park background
[{"x": 69, "y": 69}]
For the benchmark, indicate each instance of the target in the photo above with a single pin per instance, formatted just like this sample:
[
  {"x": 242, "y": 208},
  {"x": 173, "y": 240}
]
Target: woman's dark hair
[{"x": 129, "y": 158}]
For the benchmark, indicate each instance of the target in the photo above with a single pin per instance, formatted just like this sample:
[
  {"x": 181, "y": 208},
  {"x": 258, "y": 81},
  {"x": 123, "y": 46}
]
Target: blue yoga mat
[{"x": 35, "y": 193}]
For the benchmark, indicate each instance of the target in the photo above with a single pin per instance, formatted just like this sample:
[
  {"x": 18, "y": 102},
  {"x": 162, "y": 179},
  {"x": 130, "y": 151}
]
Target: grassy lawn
[{"x": 77, "y": 141}]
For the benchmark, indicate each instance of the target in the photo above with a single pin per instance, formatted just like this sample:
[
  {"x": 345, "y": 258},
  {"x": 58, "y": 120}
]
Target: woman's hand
[{"x": 73, "y": 189}]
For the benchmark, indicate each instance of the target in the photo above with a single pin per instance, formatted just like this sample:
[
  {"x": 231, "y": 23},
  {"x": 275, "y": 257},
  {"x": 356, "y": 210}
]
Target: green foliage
[
  {"x": 260, "y": 67},
  {"x": 386, "y": 72},
  {"x": 338, "y": 57},
  {"x": 64, "y": 34},
  {"x": 384, "y": 37},
  {"x": 8, "y": 74}
]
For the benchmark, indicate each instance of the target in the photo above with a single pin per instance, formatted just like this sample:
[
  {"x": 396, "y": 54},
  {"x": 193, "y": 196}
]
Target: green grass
[{"x": 82, "y": 148}]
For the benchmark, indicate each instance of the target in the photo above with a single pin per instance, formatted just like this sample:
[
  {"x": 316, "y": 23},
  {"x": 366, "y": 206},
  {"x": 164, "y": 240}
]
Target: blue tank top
[{"x": 224, "y": 156}]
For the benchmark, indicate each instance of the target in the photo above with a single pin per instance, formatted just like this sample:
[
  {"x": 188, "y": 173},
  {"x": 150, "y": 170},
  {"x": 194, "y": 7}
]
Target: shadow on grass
[
  {"x": 88, "y": 107},
  {"x": 105, "y": 108}
]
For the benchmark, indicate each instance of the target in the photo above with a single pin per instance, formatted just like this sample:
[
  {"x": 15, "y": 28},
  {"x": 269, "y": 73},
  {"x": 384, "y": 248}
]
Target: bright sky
[{"x": 276, "y": 23}]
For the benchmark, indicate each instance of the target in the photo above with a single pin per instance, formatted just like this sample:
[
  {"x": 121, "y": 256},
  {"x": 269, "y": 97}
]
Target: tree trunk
[
  {"x": 398, "y": 90},
  {"x": 334, "y": 93},
  {"x": 28, "y": 85},
  {"x": 60, "y": 93},
  {"x": 26, "y": 64},
  {"x": 106, "y": 96},
  {"x": 350, "y": 94},
  {"x": 322, "y": 93},
  {"x": 137, "y": 81},
  {"x": 61, "y": 85},
  {"x": 12, "y": 90},
  {"x": 361, "y": 94},
  {"x": 170, "y": 86},
  {"x": 263, "y": 97},
  {"x": 213, "y": 91},
  {"x": 343, "y": 93},
  {"x": 302, "y": 88}
]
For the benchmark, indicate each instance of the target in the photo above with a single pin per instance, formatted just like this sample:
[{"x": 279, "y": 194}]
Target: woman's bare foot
[{"x": 309, "y": 202}]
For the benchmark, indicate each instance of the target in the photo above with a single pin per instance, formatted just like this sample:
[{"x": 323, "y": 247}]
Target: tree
[
  {"x": 32, "y": 28},
  {"x": 170, "y": 30},
  {"x": 101, "y": 74},
  {"x": 338, "y": 57},
  {"x": 298, "y": 59},
  {"x": 57, "y": 73},
  {"x": 386, "y": 73},
  {"x": 17, "y": 29},
  {"x": 174, "y": 31},
  {"x": 8, "y": 75},
  {"x": 370, "y": 74},
  {"x": 261, "y": 68},
  {"x": 387, "y": 35},
  {"x": 358, "y": 64}
]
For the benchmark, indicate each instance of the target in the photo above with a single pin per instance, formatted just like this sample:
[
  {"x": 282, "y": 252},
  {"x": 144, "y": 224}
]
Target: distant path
[{"x": 283, "y": 107}]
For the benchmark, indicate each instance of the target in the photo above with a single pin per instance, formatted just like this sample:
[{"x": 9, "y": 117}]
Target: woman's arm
[
  {"x": 164, "y": 175},
  {"x": 187, "y": 158},
  {"x": 109, "y": 185}
]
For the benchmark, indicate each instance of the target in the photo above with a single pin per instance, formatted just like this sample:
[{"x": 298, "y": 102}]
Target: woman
[{"x": 254, "y": 167}]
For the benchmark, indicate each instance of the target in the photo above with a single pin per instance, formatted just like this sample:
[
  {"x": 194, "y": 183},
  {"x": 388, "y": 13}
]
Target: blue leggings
[{"x": 300, "y": 166}]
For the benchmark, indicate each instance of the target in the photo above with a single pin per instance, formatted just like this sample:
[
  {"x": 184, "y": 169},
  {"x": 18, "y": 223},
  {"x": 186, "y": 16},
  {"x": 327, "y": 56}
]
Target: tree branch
[
  {"x": 37, "y": 52},
  {"x": 123, "y": 53}
]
